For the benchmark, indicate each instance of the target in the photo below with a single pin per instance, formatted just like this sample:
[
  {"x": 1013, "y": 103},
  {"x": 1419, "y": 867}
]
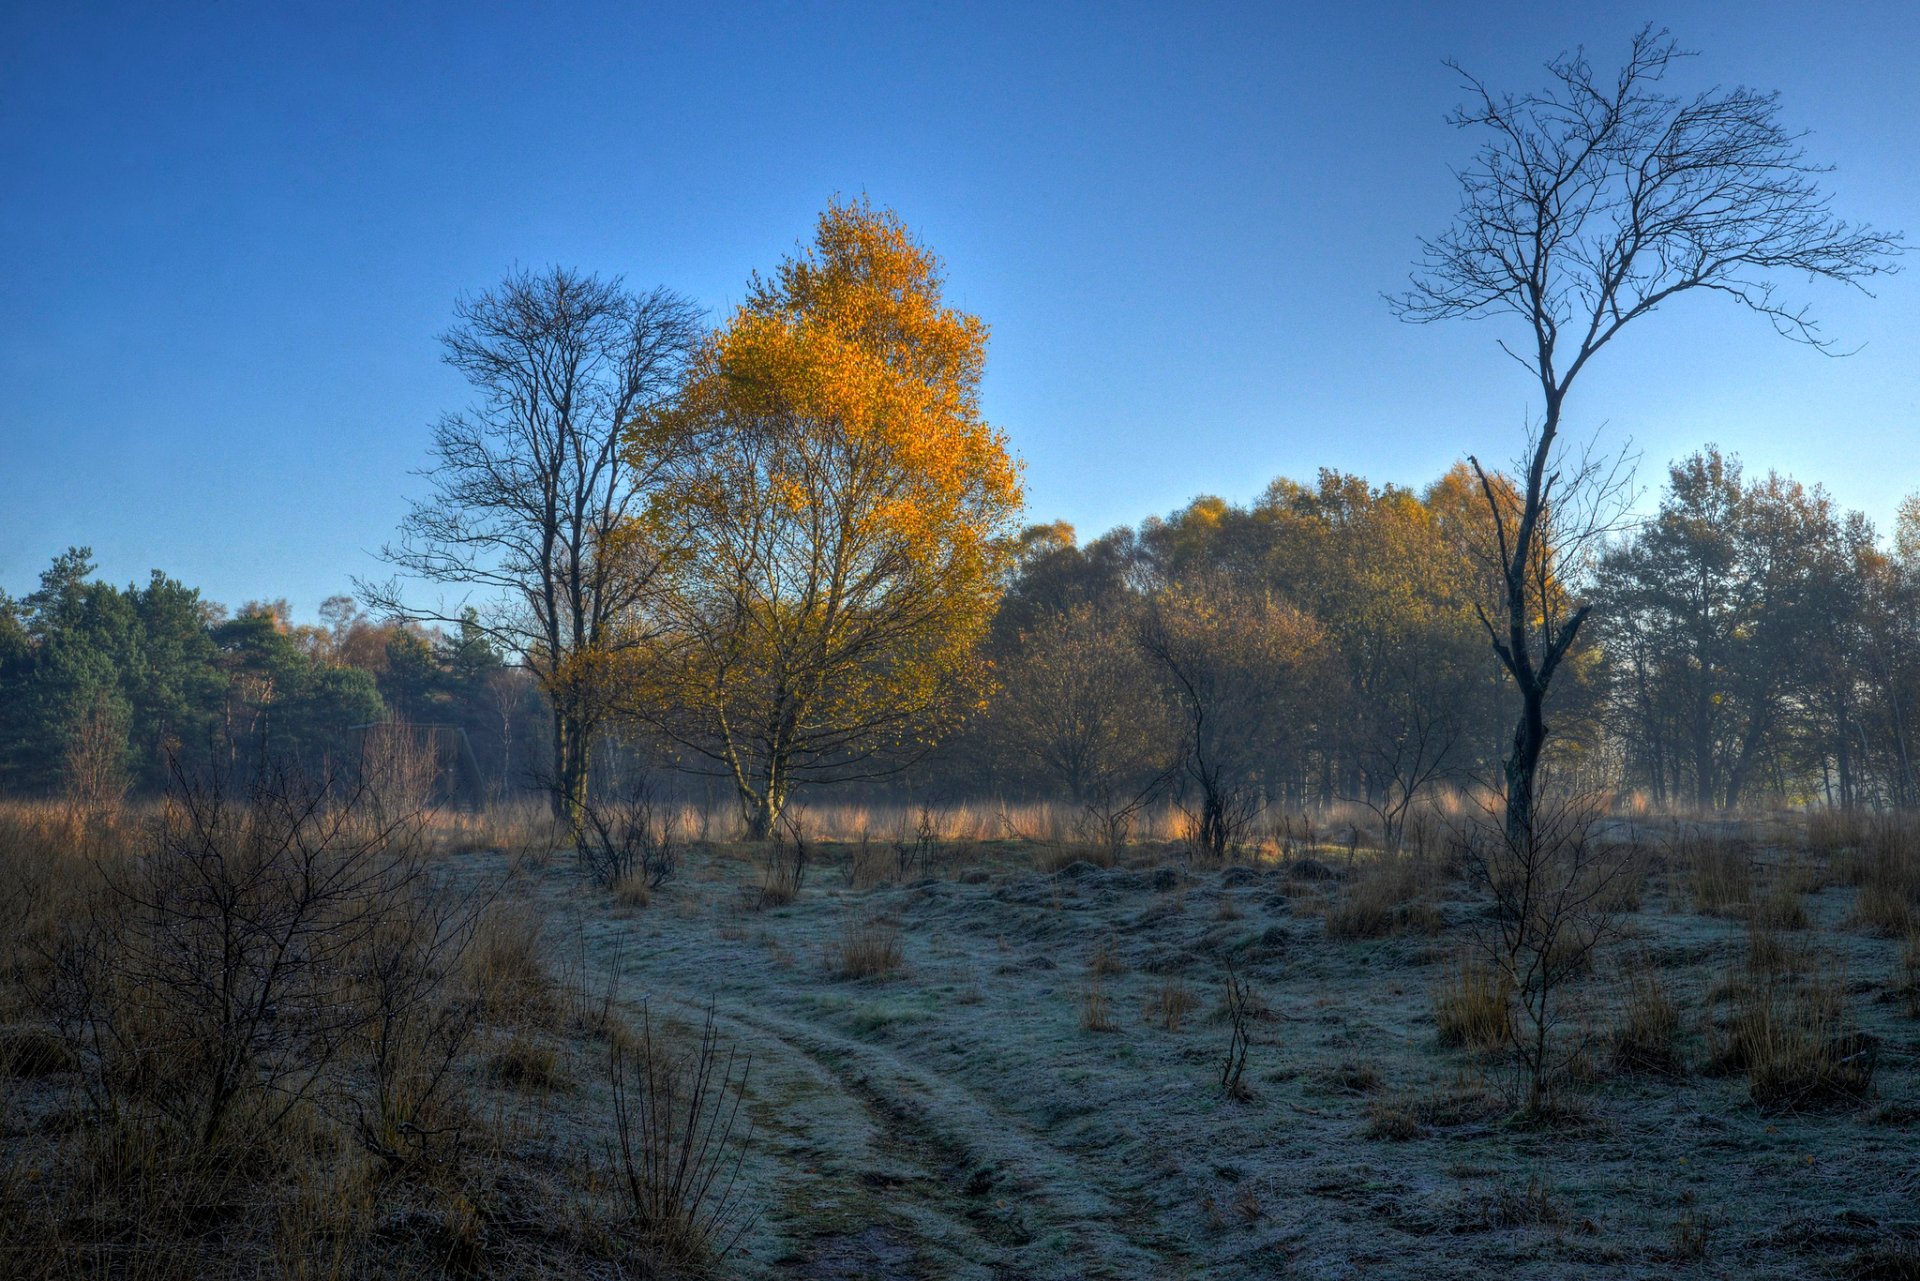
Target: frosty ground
[{"x": 957, "y": 1116}]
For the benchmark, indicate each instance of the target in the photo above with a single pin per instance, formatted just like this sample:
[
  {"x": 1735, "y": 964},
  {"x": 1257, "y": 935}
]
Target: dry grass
[
  {"x": 1473, "y": 1005},
  {"x": 1386, "y": 897},
  {"x": 1906, "y": 975},
  {"x": 1721, "y": 873},
  {"x": 1169, "y": 1004},
  {"x": 507, "y": 966},
  {"x": 1106, "y": 962},
  {"x": 1885, "y": 902},
  {"x": 1645, "y": 1040},
  {"x": 1794, "y": 1041},
  {"x": 1782, "y": 909},
  {"x": 529, "y": 1063},
  {"x": 868, "y": 949},
  {"x": 679, "y": 1143},
  {"x": 368, "y": 1053},
  {"x": 1096, "y": 1015},
  {"x": 632, "y": 891}
]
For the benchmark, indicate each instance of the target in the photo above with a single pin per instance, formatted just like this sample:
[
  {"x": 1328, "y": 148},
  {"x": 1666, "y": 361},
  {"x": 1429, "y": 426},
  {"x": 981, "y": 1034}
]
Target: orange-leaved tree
[{"x": 848, "y": 522}]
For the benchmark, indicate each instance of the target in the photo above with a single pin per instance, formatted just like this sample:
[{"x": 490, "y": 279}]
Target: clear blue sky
[{"x": 231, "y": 231}]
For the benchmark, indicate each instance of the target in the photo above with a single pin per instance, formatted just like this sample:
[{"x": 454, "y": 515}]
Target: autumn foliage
[{"x": 844, "y": 526}]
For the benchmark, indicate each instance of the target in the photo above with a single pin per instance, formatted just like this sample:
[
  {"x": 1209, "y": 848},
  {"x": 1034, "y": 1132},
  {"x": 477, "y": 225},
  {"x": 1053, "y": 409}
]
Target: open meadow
[{"x": 947, "y": 1044}]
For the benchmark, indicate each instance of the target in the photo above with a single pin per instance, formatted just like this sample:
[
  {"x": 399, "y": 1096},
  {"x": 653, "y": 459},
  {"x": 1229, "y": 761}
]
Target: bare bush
[
  {"x": 1240, "y": 1011},
  {"x": 625, "y": 836},
  {"x": 204, "y": 978},
  {"x": 1555, "y": 900},
  {"x": 679, "y": 1144},
  {"x": 785, "y": 864},
  {"x": 407, "y": 1102}
]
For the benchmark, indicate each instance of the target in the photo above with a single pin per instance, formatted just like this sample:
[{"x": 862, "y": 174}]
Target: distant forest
[{"x": 1751, "y": 644}]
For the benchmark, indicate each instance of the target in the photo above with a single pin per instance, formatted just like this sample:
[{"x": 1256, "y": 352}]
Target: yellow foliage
[{"x": 848, "y": 516}]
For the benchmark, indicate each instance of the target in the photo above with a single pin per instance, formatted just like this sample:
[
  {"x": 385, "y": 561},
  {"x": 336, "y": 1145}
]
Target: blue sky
[{"x": 231, "y": 232}]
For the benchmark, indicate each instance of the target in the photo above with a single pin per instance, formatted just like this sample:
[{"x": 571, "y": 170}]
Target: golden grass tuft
[
  {"x": 1388, "y": 897},
  {"x": 1722, "y": 874},
  {"x": 1096, "y": 1015},
  {"x": 868, "y": 949},
  {"x": 1794, "y": 1041},
  {"x": 1106, "y": 962},
  {"x": 1169, "y": 1004},
  {"x": 1473, "y": 1005},
  {"x": 1646, "y": 1037}
]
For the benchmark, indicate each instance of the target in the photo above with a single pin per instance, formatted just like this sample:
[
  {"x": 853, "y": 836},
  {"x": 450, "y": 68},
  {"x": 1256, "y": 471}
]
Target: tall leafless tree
[
  {"x": 1590, "y": 204},
  {"x": 532, "y": 481}
]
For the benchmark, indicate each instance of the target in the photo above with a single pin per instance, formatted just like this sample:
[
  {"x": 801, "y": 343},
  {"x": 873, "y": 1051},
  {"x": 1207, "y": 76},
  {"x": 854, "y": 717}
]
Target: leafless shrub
[
  {"x": 204, "y": 980},
  {"x": 916, "y": 849},
  {"x": 866, "y": 865},
  {"x": 1552, "y": 881},
  {"x": 1239, "y": 1000},
  {"x": 679, "y": 1143},
  {"x": 418, "y": 1018},
  {"x": 626, "y": 837},
  {"x": 785, "y": 862}
]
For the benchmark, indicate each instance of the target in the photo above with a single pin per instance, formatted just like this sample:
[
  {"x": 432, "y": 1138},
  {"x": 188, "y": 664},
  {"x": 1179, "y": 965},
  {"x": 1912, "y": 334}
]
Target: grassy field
[{"x": 972, "y": 1050}]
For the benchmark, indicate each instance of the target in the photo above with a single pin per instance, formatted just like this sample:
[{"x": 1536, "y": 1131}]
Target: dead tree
[{"x": 1590, "y": 204}]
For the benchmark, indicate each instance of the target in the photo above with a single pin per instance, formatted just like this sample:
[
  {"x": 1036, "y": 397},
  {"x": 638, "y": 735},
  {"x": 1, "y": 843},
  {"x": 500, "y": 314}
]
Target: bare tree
[
  {"x": 558, "y": 452},
  {"x": 1081, "y": 709},
  {"x": 1238, "y": 669},
  {"x": 1558, "y": 891},
  {"x": 1590, "y": 204}
]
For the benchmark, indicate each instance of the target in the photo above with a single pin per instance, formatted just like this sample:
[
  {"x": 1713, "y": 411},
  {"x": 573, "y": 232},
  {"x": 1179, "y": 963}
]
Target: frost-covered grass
[
  {"x": 962, "y": 1113},
  {"x": 966, "y": 1065}
]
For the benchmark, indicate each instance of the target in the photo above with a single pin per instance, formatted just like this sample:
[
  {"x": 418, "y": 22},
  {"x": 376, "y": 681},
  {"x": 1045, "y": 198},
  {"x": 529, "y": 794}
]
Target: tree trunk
[
  {"x": 1529, "y": 736},
  {"x": 762, "y": 808},
  {"x": 571, "y": 749}
]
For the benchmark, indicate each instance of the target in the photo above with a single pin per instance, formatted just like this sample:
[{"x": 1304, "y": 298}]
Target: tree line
[
  {"x": 1753, "y": 643},
  {"x": 105, "y": 689},
  {"x": 786, "y": 551}
]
